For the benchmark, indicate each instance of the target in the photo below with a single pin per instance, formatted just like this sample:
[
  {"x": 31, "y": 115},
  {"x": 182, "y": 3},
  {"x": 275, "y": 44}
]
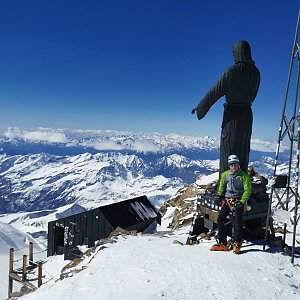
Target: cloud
[
  {"x": 266, "y": 146},
  {"x": 105, "y": 145},
  {"x": 139, "y": 146},
  {"x": 39, "y": 135},
  {"x": 59, "y": 136}
]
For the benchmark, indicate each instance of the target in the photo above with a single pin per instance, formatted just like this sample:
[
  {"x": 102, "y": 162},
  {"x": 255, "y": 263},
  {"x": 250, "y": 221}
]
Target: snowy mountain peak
[{"x": 48, "y": 168}]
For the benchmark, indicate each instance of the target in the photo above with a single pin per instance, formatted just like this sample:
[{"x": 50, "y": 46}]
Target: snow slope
[
  {"x": 10, "y": 237},
  {"x": 153, "y": 267}
]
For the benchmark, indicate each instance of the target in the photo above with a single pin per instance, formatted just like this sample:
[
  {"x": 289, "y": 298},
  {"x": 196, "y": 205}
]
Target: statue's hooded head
[{"x": 242, "y": 52}]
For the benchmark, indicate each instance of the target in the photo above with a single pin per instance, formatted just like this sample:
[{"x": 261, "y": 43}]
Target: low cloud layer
[
  {"x": 39, "y": 135},
  {"x": 264, "y": 146},
  {"x": 139, "y": 146},
  {"x": 118, "y": 140}
]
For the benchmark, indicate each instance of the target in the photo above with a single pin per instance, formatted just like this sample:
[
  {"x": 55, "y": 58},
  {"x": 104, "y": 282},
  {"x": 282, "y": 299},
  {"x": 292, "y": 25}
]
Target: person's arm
[
  {"x": 247, "y": 187},
  {"x": 221, "y": 189}
]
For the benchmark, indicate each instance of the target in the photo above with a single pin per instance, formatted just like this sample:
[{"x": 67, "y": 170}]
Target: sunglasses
[{"x": 233, "y": 165}]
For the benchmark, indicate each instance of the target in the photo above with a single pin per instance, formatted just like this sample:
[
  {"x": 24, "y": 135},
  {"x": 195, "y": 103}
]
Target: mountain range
[
  {"x": 47, "y": 169},
  {"x": 46, "y": 174}
]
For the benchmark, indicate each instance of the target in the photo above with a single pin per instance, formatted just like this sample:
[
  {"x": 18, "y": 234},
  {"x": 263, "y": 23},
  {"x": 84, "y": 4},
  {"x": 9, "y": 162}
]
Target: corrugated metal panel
[
  {"x": 123, "y": 214},
  {"x": 87, "y": 227}
]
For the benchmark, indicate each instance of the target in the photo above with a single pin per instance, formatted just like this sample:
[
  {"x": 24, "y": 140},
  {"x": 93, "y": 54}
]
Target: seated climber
[{"x": 234, "y": 190}]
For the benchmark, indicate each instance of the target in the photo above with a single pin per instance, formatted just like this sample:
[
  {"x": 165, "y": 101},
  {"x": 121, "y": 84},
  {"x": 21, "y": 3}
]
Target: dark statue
[{"x": 239, "y": 84}]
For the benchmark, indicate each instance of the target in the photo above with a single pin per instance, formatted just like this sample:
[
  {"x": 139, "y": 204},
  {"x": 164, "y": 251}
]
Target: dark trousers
[{"x": 237, "y": 223}]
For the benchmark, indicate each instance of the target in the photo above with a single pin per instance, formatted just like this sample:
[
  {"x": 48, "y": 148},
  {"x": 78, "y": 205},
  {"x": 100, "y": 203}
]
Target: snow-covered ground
[{"x": 154, "y": 267}]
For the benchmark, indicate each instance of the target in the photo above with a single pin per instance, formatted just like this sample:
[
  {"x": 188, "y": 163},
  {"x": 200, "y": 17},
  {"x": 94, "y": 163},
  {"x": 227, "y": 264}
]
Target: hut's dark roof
[{"x": 129, "y": 212}]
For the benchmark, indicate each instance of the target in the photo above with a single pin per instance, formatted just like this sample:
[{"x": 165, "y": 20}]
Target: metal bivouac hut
[{"x": 65, "y": 234}]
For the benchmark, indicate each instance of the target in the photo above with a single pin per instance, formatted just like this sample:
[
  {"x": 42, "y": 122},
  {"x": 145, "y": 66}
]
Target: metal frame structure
[{"x": 287, "y": 129}]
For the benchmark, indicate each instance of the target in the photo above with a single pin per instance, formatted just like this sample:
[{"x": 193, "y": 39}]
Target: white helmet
[{"x": 233, "y": 159}]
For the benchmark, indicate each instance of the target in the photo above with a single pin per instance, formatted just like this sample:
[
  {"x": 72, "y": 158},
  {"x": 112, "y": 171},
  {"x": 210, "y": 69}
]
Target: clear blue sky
[{"x": 137, "y": 65}]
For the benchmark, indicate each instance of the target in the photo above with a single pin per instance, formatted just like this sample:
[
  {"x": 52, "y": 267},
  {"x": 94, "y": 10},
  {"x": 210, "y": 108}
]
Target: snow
[
  {"x": 143, "y": 266},
  {"x": 43, "y": 180},
  {"x": 282, "y": 216},
  {"x": 204, "y": 180},
  {"x": 143, "y": 211},
  {"x": 153, "y": 267},
  {"x": 10, "y": 237},
  {"x": 36, "y": 221}
]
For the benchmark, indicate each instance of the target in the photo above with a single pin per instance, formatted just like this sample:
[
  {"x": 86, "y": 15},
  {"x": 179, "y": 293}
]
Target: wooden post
[
  {"x": 11, "y": 260},
  {"x": 11, "y": 269},
  {"x": 24, "y": 269},
  {"x": 40, "y": 273},
  {"x": 30, "y": 252}
]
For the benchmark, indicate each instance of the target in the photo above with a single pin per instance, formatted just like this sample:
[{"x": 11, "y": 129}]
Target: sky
[{"x": 137, "y": 65}]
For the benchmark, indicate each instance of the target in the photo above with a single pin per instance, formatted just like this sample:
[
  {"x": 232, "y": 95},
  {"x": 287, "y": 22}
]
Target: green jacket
[{"x": 235, "y": 185}]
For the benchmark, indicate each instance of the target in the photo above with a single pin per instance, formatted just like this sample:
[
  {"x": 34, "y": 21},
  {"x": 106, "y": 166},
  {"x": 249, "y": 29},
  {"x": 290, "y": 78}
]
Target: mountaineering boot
[
  {"x": 236, "y": 247},
  {"x": 219, "y": 247}
]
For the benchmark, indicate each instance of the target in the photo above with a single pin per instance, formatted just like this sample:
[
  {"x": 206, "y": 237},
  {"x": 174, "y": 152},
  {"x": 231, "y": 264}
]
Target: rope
[
  {"x": 49, "y": 280},
  {"x": 26, "y": 246},
  {"x": 34, "y": 272},
  {"x": 51, "y": 277},
  {"x": 45, "y": 244},
  {"x": 101, "y": 247},
  {"x": 17, "y": 260},
  {"x": 41, "y": 251},
  {"x": 16, "y": 250}
]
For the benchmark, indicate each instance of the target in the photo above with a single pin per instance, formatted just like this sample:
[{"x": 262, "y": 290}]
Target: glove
[
  {"x": 219, "y": 200},
  {"x": 240, "y": 204},
  {"x": 194, "y": 110}
]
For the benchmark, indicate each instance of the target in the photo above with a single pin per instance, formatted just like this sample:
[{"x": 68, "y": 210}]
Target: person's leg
[
  {"x": 238, "y": 224},
  {"x": 224, "y": 212}
]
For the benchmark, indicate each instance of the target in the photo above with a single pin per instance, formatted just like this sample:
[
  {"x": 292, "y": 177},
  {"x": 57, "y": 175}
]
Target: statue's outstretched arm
[{"x": 214, "y": 94}]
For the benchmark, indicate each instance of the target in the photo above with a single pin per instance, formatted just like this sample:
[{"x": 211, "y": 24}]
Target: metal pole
[
  {"x": 280, "y": 130},
  {"x": 297, "y": 194},
  {"x": 291, "y": 154},
  {"x": 289, "y": 75}
]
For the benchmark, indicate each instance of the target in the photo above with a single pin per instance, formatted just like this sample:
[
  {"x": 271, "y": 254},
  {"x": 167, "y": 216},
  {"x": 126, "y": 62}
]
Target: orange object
[{"x": 219, "y": 247}]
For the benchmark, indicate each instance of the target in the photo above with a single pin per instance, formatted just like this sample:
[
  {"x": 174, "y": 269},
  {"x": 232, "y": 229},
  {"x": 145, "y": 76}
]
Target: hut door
[{"x": 59, "y": 239}]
